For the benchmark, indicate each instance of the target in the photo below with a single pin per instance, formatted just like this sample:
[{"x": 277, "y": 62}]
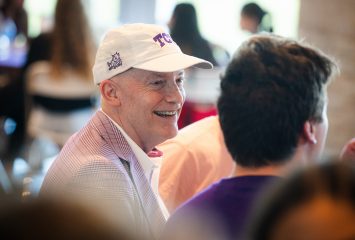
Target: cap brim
[{"x": 173, "y": 62}]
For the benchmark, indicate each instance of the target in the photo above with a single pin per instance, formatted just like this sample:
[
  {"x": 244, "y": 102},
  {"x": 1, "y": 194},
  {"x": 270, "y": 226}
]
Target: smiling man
[{"x": 139, "y": 70}]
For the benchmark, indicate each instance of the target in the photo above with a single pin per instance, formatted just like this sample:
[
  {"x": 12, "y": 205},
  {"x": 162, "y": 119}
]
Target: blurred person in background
[
  {"x": 13, "y": 40},
  {"x": 315, "y": 203},
  {"x": 273, "y": 114},
  {"x": 254, "y": 19},
  {"x": 58, "y": 75},
  {"x": 139, "y": 70},
  {"x": 185, "y": 32}
]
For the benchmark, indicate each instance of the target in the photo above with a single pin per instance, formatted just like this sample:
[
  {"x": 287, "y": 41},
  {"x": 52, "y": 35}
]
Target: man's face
[
  {"x": 151, "y": 103},
  {"x": 248, "y": 23}
]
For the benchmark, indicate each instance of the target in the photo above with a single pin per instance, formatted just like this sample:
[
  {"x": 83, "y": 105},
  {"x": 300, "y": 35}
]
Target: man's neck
[
  {"x": 298, "y": 160},
  {"x": 301, "y": 157},
  {"x": 274, "y": 170}
]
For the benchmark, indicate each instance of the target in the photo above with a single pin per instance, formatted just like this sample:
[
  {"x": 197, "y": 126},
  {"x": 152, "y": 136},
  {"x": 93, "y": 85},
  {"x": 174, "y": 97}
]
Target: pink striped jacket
[{"x": 98, "y": 166}]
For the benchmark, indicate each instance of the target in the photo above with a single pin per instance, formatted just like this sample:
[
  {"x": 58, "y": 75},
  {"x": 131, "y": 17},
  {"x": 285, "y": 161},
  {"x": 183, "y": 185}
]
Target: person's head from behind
[
  {"x": 273, "y": 103},
  {"x": 140, "y": 72},
  {"x": 72, "y": 42},
  {"x": 251, "y": 17},
  {"x": 183, "y": 26},
  {"x": 54, "y": 219},
  {"x": 317, "y": 203},
  {"x": 183, "y": 22}
]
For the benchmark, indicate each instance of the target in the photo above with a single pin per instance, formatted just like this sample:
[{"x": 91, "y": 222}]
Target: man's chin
[
  {"x": 173, "y": 134},
  {"x": 169, "y": 135}
]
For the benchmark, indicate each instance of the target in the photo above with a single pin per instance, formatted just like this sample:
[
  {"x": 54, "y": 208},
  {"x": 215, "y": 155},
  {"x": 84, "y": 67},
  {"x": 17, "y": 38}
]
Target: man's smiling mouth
[{"x": 166, "y": 113}]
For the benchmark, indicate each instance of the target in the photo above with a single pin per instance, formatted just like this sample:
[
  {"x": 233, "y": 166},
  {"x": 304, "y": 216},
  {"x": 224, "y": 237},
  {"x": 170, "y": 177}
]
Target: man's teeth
[{"x": 165, "y": 113}]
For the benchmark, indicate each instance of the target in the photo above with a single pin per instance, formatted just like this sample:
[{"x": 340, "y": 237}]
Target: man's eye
[
  {"x": 180, "y": 80},
  {"x": 158, "y": 82}
]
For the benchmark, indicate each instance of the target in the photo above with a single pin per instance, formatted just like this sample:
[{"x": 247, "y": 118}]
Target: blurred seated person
[
  {"x": 13, "y": 40},
  {"x": 193, "y": 160},
  {"x": 316, "y": 203},
  {"x": 254, "y": 19},
  {"x": 185, "y": 32},
  {"x": 348, "y": 151},
  {"x": 273, "y": 119},
  {"x": 61, "y": 87}
]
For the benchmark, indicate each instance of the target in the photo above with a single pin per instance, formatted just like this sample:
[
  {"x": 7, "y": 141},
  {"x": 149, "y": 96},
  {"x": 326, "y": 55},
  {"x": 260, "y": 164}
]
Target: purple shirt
[{"x": 229, "y": 200}]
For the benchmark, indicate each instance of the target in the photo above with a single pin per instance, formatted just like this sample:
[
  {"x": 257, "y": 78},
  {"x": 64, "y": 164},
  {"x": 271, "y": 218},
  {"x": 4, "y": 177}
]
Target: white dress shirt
[{"x": 150, "y": 166}]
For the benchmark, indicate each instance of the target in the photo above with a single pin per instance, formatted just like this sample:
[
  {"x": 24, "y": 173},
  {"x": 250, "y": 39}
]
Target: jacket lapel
[{"x": 120, "y": 146}]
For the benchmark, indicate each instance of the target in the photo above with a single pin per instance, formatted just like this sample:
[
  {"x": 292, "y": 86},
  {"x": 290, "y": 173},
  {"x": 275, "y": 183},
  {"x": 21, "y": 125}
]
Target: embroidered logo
[
  {"x": 163, "y": 38},
  {"x": 115, "y": 61}
]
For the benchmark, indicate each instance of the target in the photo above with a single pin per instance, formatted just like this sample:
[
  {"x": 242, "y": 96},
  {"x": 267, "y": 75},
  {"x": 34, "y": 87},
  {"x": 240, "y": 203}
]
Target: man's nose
[{"x": 175, "y": 94}]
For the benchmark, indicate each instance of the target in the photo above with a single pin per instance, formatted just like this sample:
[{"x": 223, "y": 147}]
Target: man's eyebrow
[
  {"x": 161, "y": 74},
  {"x": 181, "y": 73},
  {"x": 158, "y": 74}
]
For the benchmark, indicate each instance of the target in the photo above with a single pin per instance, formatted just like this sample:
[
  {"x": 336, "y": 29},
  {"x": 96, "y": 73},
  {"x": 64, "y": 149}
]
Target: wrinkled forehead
[{"x": 145, "y": 74}]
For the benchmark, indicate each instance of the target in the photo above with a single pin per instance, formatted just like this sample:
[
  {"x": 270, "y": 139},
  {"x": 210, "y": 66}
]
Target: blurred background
[
  {"x": 218, "y": 20},
  {"x": 326, "y": 24}
]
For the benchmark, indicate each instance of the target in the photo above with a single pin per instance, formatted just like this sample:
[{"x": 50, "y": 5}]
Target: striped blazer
[{"x": 98, "y": 166}]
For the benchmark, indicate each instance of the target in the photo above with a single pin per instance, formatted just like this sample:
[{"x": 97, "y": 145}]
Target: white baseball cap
[{"x": 142, "y": 46}]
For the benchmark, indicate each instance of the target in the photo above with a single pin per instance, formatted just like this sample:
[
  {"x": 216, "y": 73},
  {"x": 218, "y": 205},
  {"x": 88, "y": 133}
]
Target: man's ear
[
  {"x": 110, "y": 92},
  {"x": 309, "y": 132}
]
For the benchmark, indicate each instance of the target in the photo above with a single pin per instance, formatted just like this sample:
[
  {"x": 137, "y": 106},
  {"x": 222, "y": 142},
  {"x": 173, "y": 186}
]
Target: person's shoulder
[
  {"x": 206, "y": 198},
  {"x": 196, "y": 210},
  {"x": 38, "y": 67},
  {"x": 85, "y": 143},
  {"x": 100, "y": 166},
  {"x": 86, "y": 169}
]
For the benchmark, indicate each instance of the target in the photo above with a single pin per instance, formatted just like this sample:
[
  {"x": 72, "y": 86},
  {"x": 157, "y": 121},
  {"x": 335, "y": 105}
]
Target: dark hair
[
  {"x": 270, "y": 89},
  {"x": 254, "y": 11},
  {"x": 72, "y": 42},
  {"x": 333, "y": 180},
  {"x": 185, "y": 32}
]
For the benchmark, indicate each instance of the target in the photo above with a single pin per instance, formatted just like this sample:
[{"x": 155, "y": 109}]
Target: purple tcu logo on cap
[
  {"x": 163, "y": 36},
  {"x": 115, "y": 61}
]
